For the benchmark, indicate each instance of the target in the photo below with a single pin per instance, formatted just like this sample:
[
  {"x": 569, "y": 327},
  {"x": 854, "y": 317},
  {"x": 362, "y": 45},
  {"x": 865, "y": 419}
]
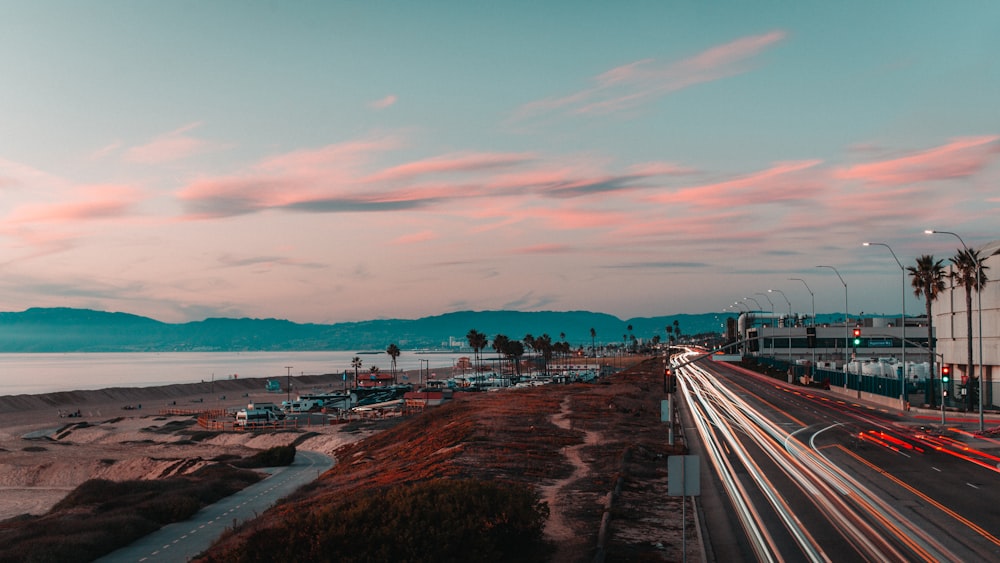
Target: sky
[{"x": 342, "y": 161}]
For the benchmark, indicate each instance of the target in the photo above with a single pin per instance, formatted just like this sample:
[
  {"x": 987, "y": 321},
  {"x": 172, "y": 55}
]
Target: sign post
[{"x": 683, "y": 480}]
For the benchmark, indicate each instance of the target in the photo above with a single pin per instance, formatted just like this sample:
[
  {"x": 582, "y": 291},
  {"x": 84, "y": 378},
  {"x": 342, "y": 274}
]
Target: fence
[{"x": 919, "y": 392}]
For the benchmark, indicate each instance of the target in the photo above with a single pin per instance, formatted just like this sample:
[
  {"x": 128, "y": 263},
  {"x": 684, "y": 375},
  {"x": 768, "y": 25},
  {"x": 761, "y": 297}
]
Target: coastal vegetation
[
  {"x": 101, "y": 516},
  {"x": 436, "y": 520}
]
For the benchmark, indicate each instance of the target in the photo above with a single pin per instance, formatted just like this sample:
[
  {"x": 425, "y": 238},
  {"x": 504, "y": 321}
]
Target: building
[
  {"x": 950, "y": 326},
  {"x": 833, "y": 345}
]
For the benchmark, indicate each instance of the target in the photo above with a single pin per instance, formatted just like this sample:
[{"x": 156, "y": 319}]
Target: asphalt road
[
  {"x": 182, "y": 541},
  {"x": 933, "y": 489}
]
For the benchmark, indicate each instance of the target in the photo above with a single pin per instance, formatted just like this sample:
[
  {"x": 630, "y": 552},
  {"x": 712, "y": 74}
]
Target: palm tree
[
  {"x": 969, "y": 272},
  {"x": 356, "y": 364},
  {"x": 529, "y": 342},
  {"x": 477, "y": 341},
  {"x": 928, "y": 282},
  {"x": 593, "y": 342},
  {"x": 677, "y": 329},
  {"x": 393, "y": 352},
  {"x": 544, "y": 345},
  {"x": 515, "y": 349},
  {"x": 631, "y": 338},
  {"x": 501, "y": 343}
]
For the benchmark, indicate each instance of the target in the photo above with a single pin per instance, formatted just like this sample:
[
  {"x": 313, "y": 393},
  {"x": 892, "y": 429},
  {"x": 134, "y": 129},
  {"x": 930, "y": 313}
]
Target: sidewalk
[{"x": 968, "y": 421}]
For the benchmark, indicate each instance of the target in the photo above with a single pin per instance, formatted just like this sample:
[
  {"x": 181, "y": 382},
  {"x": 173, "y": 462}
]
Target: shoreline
[{"x": 21, "y": 414}]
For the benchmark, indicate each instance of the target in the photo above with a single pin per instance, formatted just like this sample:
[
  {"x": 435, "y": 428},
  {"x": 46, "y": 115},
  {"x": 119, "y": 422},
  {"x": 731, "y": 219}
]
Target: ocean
[{"x": 29, "y": 374}]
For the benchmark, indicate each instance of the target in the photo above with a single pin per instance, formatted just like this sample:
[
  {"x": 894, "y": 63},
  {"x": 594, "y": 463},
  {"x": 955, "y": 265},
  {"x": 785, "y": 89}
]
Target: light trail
[{"x": 867, "y": 522}]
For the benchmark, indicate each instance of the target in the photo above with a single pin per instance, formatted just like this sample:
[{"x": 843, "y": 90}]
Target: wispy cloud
[
  {"x": 175, "y": 145},
  {"x": 413, "y": 238},
  {"x": 782, "y": 182},
  {"x": 383, "y": 102},
  {"x": 91, "y": 203},
  {"x": 543, "y": 249},
  {"x": 631, "y": 85},
  {"x": 960, "y": 158}
]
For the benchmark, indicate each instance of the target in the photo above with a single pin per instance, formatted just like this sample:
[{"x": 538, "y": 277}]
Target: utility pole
[{"x": 288, "y": 384}]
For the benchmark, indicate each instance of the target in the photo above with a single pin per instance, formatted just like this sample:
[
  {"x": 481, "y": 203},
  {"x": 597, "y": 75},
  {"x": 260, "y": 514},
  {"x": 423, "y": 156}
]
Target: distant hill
[{"x": 84, "y": 330}]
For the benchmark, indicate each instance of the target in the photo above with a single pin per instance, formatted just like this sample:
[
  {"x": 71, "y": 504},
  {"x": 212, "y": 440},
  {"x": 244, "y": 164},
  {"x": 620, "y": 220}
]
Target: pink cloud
[
  {"x": 960, "y": 158},
  {"x": 413, "y": 238},
  {"x": 383, "y": 103},
  {"x": 350, "y": 156},
  {"x": 649, "y": 169},
  {"x": 172, "y": 146},
  {"x": 97, "y": 202},
  {"x": 633, "y": 84},
  {"x": 781, "y": 182},
  {"x": 462, "y": 162},
  {"x": 543, "y": 249}
]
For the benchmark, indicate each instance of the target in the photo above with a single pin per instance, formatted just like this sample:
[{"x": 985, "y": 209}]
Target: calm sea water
[{"x": 46, "y": 373}]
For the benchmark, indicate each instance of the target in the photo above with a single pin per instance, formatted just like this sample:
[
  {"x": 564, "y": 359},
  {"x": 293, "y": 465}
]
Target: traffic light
[
  {"x": 669, "y": 381},
  {"x": 857, "y": 337},
  {"x": 945, "y": 372}
]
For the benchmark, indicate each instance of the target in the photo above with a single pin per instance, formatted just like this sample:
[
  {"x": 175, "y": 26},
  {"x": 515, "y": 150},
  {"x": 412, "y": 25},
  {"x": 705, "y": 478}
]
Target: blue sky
[{"x": 337, "y": 161}]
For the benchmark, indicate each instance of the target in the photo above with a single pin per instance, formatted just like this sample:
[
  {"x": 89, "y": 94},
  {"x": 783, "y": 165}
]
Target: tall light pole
[
  {"x": 772, "y": 319},
  {"x": 902, "y": 322},
  {"x": 812, "y": 296},
  {"x": 847, "y": 329},
  {"x": 979, "y": 299},
  {"x": 782, "y": 293},
  {"x": 288, "y": 385}
]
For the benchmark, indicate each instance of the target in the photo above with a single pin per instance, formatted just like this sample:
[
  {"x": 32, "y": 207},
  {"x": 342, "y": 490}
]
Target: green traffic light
[{"x": 857, "y": 341}]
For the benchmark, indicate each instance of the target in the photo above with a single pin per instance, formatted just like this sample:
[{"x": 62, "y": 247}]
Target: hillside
[{"x": 62, "y": 330}]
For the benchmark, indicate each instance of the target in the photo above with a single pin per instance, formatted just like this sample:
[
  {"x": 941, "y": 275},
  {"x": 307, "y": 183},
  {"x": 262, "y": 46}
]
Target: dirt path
[{"x": 557, "y": 527}]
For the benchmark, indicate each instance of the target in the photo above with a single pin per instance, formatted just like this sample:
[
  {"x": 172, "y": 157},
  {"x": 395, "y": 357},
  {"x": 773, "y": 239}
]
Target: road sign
[{"x": 682, "y": 476}]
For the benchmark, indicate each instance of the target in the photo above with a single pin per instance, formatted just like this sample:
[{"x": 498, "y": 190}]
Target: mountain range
[{"x": 84, "y": 330}]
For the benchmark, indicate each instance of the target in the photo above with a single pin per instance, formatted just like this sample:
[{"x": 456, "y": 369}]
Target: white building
[{"x": 950, "y": 325}]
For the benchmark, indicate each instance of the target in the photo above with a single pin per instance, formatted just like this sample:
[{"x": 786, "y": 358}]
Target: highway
[
  {"x": 182, "y": 541},
  {"x": 797, "y": 474}
]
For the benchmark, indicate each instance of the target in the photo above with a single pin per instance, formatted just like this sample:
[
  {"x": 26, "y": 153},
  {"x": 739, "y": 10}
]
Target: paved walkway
[{"x": 182, "y": 541}]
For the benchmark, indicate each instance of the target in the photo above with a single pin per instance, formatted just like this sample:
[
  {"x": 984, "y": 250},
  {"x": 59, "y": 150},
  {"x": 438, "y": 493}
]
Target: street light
[
  {"x": 979, "y": 299},
  {"x": 812, "y": 296},
  {"x": 847, "y": 321},
  {"x": 782, "y": 293},
  {"x": 902, "y": 322},
  {"x": 772, "y": 318},
  {"x": 288, "y": 385}
]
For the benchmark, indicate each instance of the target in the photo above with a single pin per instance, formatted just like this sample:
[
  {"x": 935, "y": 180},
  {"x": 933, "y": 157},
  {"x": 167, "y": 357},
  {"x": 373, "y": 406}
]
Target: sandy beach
[{"x": 122, "y": 433}]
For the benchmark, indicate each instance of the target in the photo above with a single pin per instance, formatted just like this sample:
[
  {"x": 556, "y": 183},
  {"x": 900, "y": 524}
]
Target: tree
[
  {"x": 529, "y": 342},
  {"x": 677, "y": 329},
  {"x": 593, "y": 342},
  {"x": 970, "y": 273},
  {"x": 630, "y": 336},
  {"x": 515, "y": 349},
  {"x": 543, "y": 344},
  {"x": 501, "y": 343},
  {"x": 928, "y": 282},
  {"x": 356, "y": 364},
  {"x": 477, "y": 341},
  {"x": 393, "y": 352}
]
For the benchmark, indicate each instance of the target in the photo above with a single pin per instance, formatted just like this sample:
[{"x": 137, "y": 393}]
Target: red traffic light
[{"x": 857, "y": 332}]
